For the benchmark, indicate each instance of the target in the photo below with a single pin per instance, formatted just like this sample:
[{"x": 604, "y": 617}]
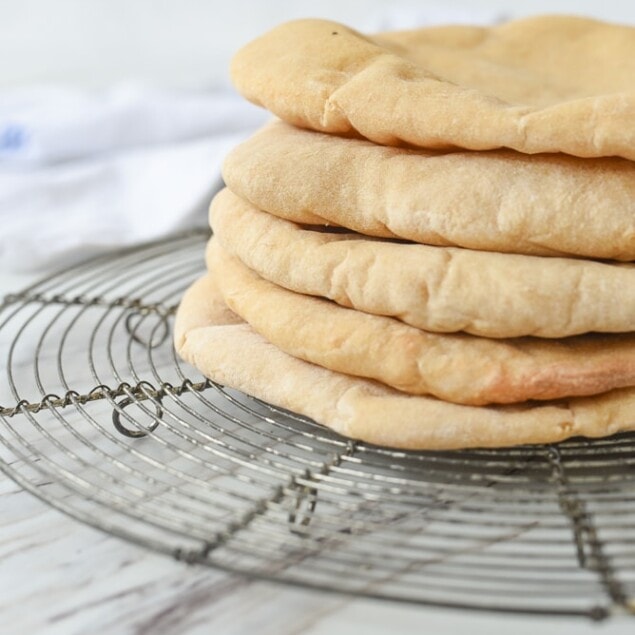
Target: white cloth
[{"x": 81, "y": 173}]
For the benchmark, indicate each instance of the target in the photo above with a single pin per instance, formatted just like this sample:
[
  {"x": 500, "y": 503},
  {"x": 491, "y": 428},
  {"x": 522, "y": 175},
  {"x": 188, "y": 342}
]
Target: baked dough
[
  {"x": 541, "y": 84},
  {"x": 231, "y": 353},
  {"x": 494, "y": 201},
  {"x": 440, "y": 289},
  {"x": 460, "y": 368}
]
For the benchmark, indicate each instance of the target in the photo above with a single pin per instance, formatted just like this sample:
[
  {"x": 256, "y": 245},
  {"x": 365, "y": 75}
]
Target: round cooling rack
[{"x": 101, "y": 420}]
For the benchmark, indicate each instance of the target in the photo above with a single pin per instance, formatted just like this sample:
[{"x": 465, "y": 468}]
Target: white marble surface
[{"x": 60, "y": 577}]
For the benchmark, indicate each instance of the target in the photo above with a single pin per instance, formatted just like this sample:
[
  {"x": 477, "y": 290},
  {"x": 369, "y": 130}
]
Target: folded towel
[{"x": 82, "y": 173}]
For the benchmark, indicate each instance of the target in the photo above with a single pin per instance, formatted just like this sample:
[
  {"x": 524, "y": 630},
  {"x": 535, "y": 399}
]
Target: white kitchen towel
[
  {"x": 84, "y": 172},
  {"x": 40, "y": 126},
  {"x": 64, "y": 213},
  {"x": 81, "y": 173}
]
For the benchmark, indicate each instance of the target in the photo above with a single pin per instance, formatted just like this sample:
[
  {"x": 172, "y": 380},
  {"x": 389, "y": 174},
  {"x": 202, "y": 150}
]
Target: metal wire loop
[
  {"x": 132, "y": 432},
  {"x": 133, "y": 329}
]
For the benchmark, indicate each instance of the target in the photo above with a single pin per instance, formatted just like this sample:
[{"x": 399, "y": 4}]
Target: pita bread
[
  {"x": 493, "y": 201},
  {"x": 232, "y": 354},
  {"x": 459, "y": 368},
  {"x": 542, "y": 84},
  {"x": 439, "y": 289}
]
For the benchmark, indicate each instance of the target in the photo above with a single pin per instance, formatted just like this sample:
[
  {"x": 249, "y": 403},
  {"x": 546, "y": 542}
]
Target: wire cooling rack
[{"x": 103, "y": 422}]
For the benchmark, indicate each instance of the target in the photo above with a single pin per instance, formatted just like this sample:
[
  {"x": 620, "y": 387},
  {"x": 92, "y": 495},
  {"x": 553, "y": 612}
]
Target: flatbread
[
  {"x": 232, "y": 354},
  {"x": 440, "y": 289},
  {"x": 459, "y": 368},
  {"x": 542, "y": 84},
  {"x": 494, "y": 201}
]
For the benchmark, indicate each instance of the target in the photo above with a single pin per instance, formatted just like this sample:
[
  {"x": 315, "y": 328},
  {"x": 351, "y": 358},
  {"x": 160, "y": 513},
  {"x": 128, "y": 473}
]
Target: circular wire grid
[{"x": 102, "y": 421}]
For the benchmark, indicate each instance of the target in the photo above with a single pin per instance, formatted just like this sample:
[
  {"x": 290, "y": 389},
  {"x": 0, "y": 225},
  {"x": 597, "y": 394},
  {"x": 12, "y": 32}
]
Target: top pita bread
[{"x": 543, "y": 84}]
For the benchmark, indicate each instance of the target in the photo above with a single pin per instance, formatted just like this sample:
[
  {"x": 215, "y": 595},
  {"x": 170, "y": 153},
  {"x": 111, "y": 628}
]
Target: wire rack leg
[{"x": 590, "y": 551}]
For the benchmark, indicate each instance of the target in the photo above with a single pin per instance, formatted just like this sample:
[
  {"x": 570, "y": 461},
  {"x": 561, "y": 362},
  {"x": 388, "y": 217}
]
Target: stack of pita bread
[{"x": 431, "y": 247}]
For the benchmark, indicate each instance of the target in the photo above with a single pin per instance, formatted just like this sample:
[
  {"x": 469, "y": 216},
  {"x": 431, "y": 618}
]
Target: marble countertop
[{"x": 58, "y": 576}]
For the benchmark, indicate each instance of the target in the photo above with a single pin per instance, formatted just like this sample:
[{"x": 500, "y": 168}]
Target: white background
[{"x": 188, "y": 43}]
